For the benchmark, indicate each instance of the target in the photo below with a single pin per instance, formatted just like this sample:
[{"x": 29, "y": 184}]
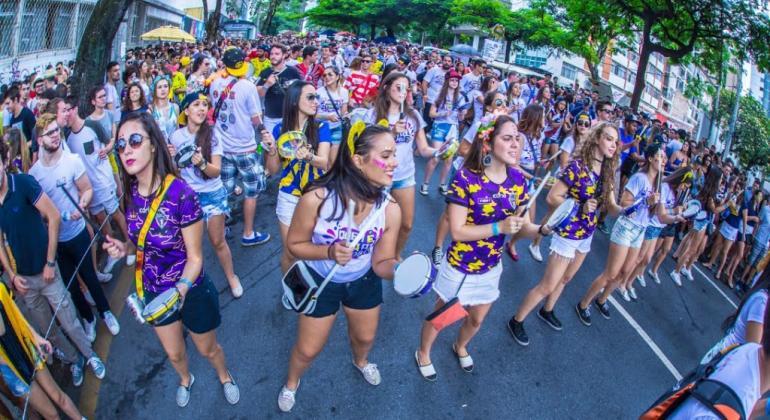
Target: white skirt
[
  {"x": 284, "y": 207},
  {"x": 478, "y": 289}
]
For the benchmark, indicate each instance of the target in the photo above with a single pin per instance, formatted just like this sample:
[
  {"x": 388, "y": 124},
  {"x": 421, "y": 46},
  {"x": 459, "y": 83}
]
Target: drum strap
[{"x": 140, "y": 241}]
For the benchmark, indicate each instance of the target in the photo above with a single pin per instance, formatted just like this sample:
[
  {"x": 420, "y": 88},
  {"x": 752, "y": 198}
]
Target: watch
[{"x": 51, "y": 264}]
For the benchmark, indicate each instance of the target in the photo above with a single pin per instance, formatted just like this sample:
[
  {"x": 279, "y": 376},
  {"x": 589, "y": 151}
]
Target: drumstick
[
  {"x": 659, "y": 177},
  {"x": 351, "y": 220},
  {"x": 402, "y": 91},
  {"x": 523, "y": 210}
]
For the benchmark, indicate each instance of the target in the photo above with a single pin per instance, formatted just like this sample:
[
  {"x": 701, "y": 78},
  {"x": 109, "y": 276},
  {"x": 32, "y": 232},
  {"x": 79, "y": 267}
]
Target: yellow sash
[{"x": 138, "y": 270}]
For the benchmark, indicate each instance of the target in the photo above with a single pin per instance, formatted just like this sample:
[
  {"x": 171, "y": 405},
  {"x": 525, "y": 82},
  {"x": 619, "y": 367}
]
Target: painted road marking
[
  {"x": 655, "y": 349},
  {"x": 719, "y": 289}
]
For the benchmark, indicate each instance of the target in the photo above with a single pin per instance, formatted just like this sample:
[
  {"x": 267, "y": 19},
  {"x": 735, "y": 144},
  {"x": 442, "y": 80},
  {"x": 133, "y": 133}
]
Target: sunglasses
[
  {"x": 50, "y": 132},
  {"x": 583, "y": 123},
  {"x": 607, "y": 110},
  {"x": 313, "y": 97},
  {"x": 500, "y": 102},
  {"x": 134, "y": 140},
  {"x": 366, "y": 61}
]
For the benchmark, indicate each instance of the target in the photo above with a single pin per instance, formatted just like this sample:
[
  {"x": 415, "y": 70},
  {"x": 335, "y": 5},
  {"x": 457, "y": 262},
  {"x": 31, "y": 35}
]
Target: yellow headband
[{"x": 355, "y": 131}]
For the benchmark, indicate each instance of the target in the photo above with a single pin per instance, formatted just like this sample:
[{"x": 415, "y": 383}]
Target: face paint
[{"x": 380, "y": 164}]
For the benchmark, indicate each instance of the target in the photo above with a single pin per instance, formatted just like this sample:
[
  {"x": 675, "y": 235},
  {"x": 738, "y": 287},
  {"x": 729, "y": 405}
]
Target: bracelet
[
  {"x": 185, "y": 281},
  {"x": 495, "y": 229},
  {"x": 540, "y": 231},
  {"x": 329, "y": 251},
  {"x": 203, "y": 166}
]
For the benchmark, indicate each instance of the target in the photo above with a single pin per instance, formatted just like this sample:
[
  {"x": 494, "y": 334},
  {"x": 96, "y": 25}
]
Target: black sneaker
[
  {"x": 604, "y": 308},
  {"x": 437, "y": 256},
  {"x": 516, "y": 329},
  {"x": 549, "y": 318},
  {"x": 584, "y": 315}
]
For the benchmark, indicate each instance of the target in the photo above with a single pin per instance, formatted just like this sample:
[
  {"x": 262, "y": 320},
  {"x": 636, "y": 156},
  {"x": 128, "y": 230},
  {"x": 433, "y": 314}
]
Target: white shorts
[
  {"x": 627, "y": 233},
  {"x": 104, "y": 200},
  {"x": 284, "y": 207},
  {"x": 730, "y": 233},
  {"x": 478, "y": 289},
  {"x": 270, "y": 123},
  {"x": 567, "y": 247}
]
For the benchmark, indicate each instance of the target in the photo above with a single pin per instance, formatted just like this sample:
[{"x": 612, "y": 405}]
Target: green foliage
[
  {"x": 752, "y": 130},
  {"x": 480, "y": 13}
]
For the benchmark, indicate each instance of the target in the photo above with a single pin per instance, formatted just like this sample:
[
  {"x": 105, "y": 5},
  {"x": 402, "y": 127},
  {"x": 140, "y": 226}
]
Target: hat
[
  {"x": 451, "y": 74},
  {"x": 186, "y": 102},
  {"x": 264, "y": 47},
  {"x": 404, "y": 59},
  {"x": 631, "y": 118},
  {"x": 184, "y": 61},
  {"x": 233, "y": 60},
  {"x": 645, "y": 115}
]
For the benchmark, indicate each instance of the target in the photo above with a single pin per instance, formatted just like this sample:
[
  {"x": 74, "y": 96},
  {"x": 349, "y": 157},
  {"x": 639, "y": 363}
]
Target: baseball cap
[
  {"x": 233, "y": 60},
  {"x": 453, "y": 75},
  {"x": 631, "y": 118}
]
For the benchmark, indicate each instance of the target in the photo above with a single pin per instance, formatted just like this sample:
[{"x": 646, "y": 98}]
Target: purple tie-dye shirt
[
  {"x": 582, "y": 185},
  {"x": 164, "y": 251},
  {"x": 487, "y": 202}
]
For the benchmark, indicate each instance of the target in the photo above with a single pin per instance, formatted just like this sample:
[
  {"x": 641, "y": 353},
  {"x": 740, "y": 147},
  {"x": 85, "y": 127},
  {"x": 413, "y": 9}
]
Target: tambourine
[
  {"x": 447, "y": 150},
  {"x": 162, "y": 307},
  {"x": 289, "y": 142},
  {"x": 692, "y": 209},
  {"x": 183, "y": 156},
  {"x": 562, "y": 215}
]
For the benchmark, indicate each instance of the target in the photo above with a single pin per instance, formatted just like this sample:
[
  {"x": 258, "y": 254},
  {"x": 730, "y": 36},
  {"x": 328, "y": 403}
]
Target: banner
[{"x": 491, "y": 50}]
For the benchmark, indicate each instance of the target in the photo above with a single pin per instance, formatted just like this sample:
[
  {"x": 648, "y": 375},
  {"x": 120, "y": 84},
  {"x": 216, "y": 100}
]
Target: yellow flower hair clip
[{"x": 355, "y": 131}]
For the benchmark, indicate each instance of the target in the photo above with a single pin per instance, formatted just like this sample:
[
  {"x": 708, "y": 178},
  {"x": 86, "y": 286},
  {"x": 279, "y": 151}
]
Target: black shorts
[
  {"x": 669, "y": 231},
  {"x": 363, "y": 293},
  {"x": 200, "y": 311}
]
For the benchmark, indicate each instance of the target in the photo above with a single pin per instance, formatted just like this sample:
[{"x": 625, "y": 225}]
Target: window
[
  {"x": 631, "y": 77},
  {"x": 59, "y": 26},
  {"x": 633, "y": 56},
  {"x": 618, "y": 70},
  {"x": 568, "y": 71},
  {"x": 45, "y": 25},
  {"x": 7, "y": 16},
  {"x": 530, "y": 60},
  {"x": 85, "y": 14}
]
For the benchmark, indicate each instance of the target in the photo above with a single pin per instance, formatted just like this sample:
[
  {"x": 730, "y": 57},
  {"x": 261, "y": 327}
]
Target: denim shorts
[
  {"x": 364, "y": 293},
  {"x": 669, "y": 231},
  {"x": 628, "y": 233},
  {"x": 403, "y": 183},
  {"x": 247, "y": 166},
  {"x": 728, "y": 232},
  {"x": 336, "y": 135},
  {"x": 699, "y": 225},
  {"x": 200, "y": 311},
  {"x": 214, "y": 203},
  {"x": 652, "y": 232},
  {"x": 439, "y": 131},
  {"x": 757, "y": 252}
]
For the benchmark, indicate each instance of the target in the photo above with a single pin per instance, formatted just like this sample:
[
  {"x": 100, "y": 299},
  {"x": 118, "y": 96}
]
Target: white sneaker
[
  {"x": 110, "y": 264},
  {"x": 287, "y": 398},
  {"x": 687, "y": 273},
  {"x": 89, "y": 298},
  {"x": 534, "y": 250},
  {"x": 624, "y": 293},
  {"x": 90, "y": 329},
  {"x": 676, "y": 278},
  {"x": 370, "y": 372},
  {"x": 103, "y": 277},
  {"x": 641, "y": 280},
  {"x": 632, "y": 293},
  {"x": 130, "y": 260},
  {"x": 654, "y": 276},
  {"x": 112, "y": 323}
]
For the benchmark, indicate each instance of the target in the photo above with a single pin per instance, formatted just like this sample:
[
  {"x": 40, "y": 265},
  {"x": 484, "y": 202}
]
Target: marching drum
[
  {"x": 414, "y": 277},
  {"x": 448, "y": 149},
  {"x": 183, "y": 156},
  {"x": 289, "y": 142},
  {"x": 692, "y": 209},
  {"x": 560, "y": 218},
  {"x": 162, "y": 307}
]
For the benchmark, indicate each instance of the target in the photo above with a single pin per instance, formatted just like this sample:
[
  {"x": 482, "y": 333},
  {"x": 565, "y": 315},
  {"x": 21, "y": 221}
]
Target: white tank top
[{"x": 327, "y": 232}]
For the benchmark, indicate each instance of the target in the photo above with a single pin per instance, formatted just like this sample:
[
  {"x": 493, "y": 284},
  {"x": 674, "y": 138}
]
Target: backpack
[{"x": 718, "y": 397}]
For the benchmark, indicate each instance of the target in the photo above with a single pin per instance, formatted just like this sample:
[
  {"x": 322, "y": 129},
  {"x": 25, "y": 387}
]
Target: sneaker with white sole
[
  {"x": 256, "y": 238},
  {"x": 676, "y": 278},
  {"x": 654, "y": 275},
  {"x": 424, "y": 189},
  {"x": 183, "y": 393},
  {"x": 103, "y": 277},
  {"x": 687, "y": 273},
  {"x": 632, "y": 293},
  {"x": 97, "y": 366},
  {"x": 110, "y": 264},
  {"x": 442, "y": 189},
  {"x": 641, "y": 280},
  {"x": 286, "y": 398},
  {"x": 112, "y": 323},
  {"x": 77, "y": 372},
  {"x": 534, "y": 250},
  {"x": 370, "y": 373},
  {"x": 624, "y": 293},
  {"x": 90, "y": 329}
]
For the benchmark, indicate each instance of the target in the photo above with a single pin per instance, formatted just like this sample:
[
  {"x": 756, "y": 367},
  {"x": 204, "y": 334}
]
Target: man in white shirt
[
  {"x": 472, "y": 80},
  {"x": 432, "y": 84},
  {"x": 111, "y": 87}
]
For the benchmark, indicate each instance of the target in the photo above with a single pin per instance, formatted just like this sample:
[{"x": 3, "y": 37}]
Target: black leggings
[{"x": 68, "y": 255}]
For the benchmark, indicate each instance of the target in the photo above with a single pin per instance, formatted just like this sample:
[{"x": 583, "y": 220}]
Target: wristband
[
  {"x": 767, "y": 407},
  {"x": 495, "y": 229},
  {"x": 185, "y": 281},
  {"x": 329, "y": 252}
]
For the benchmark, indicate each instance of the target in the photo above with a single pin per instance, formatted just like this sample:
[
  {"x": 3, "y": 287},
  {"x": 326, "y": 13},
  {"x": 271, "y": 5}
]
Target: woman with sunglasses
[
  {"x": 362, "y": 83},
  {"x": 574, "y": 140},
  {"x": 484, "y": 204},
  {"x": 333, "y": 107},
  {"x": 310, "y": 160},
  {"x": 164, "y": 112},
  {"x": 638, "y": 203},
  {"x": 134, "y": 102},
  {"x": 202, "y": 175},
  {"x": 446, "y": 111},
  {"x": 362, "y": 173},
  {"x": 408, "y": 128},
  {"x": 516, "y": 101},
  {"x": 583, "y": 180},
  {"x": 173, "y": 257}
]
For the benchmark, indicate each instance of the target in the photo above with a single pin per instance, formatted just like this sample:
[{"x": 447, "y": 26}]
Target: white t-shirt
[
  {"x": 86, "y": 144},
  {"x": 469, "y": 135},
  {"x": 639, "y": 186},
  {"x": 668, "y": 199},
  {"x": 113, "y": 98},
  {"x": 752, "y": 311},
  {"x": 453, "y": 108},
  {"x": 404, "y": 142},
  {"x": 568, "y": 145},
  {"x": 325, "y": 106},
  {"x": 233, "y": 126},
  {"x": 470, "y": 82},
  {"x": 530, "y": 152},
  {"x": 739, "y": 370},
  {"x": 520, "y": 103},
  {"x": 477, "y": 99},
  {"x": 63, "y": 173},
  {"x": 192, "y": 175},
  {"x": 435, "y": 79}
]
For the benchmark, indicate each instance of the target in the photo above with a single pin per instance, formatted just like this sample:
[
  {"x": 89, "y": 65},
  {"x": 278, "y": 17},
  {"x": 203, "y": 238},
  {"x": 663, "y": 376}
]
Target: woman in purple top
[
  {"x": 582, "y": 180},
  {"x": 172, "y": 250},
  {"x": 485, "y": 201}
]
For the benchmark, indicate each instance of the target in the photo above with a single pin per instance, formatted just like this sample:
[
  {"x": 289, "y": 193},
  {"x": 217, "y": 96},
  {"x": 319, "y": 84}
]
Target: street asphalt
[{"x": 608, "y": 370}]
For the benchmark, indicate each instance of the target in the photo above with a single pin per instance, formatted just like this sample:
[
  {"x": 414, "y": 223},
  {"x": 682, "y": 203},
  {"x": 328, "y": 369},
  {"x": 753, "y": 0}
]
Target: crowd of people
[{"x": 176, "y": 136}]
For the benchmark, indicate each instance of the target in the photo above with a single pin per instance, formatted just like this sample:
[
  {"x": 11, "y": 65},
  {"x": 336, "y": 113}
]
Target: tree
[
  {"x": 272, "y": 7},
  {"x": 96, "y": 44},
  {"x": 480, "y": 13},
  {"x": 675, "y": 29},
  {"x": 212, "y": 23},
  {"x": 752, "y": 130}
]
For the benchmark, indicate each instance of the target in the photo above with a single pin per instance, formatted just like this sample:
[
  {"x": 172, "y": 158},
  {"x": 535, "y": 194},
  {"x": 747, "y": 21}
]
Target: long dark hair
[
  {"x": 347, "y": 181},
  {"x": 203, "y": 138},
  {"x": 649, "y": 154},
  {"x": 476, "y": 153},
  {"x": 441, "y": 98},
  {"x": 710, "y": 186},
  {"x": 127, "y": 105},
  {"x": 531, "y": 121},
  {"x": 382, "y": 102},
  {"x": 162, "y": 164},
  {"x": 291, "y": 113}
]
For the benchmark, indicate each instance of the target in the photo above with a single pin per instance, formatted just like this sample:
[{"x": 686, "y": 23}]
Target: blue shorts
[
  {"x": 652, "y": 232},
  {"x": 627, "y": 233},
  {"x": 247, "y": 166},
  {"x": 439, "y": 131},
  {"x": 404, "y": 183},
  {"x": 364, "y": 293},
  {"x": 336, "y": 135},
  {"x": 214, "y": 203},
  {"x": 699, "y": 225},
  {"x": 757, "y": 252}
]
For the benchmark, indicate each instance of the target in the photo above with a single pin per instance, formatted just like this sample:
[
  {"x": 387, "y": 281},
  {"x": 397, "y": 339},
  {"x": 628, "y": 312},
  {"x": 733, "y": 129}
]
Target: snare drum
[
  {"x": 414, "y": 277},
  {"x": 162, "y": 307},
  {"x": 289, "y": 142},
  {"x": 183, "y": 156},
  {"x": 561, "y": 217}
]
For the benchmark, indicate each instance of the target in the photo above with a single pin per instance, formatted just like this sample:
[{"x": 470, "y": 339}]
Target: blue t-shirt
[
  {"x": 23, "y": 225},
  {"x": 297, "y": 173},
  {"x": 626, "y": 138}
]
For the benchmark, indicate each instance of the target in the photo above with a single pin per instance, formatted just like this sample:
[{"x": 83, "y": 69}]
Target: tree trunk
[
  {"x": 212, "y": 24},
  {"x": 593, "y": 69},
  {"x": 373, "y": 31},
  {"x": 391, "y": 32},
  {"x": 734, "y": 113},
  {"x": 96, "y": 45},
  {"x": 641, "y": 71},
  {"x": 269, "y": 15},
  {"x": 205, "y": 10}
]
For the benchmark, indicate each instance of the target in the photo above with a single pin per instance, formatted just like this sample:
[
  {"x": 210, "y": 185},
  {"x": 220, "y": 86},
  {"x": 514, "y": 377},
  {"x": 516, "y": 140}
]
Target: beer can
[{"x": 137, "y": 307}]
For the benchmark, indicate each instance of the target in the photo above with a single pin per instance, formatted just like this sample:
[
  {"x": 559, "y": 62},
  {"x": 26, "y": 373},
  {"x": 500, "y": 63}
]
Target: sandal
[
  {"x": 428, "y": 372},
  {"x": 466, "y": 362}
]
